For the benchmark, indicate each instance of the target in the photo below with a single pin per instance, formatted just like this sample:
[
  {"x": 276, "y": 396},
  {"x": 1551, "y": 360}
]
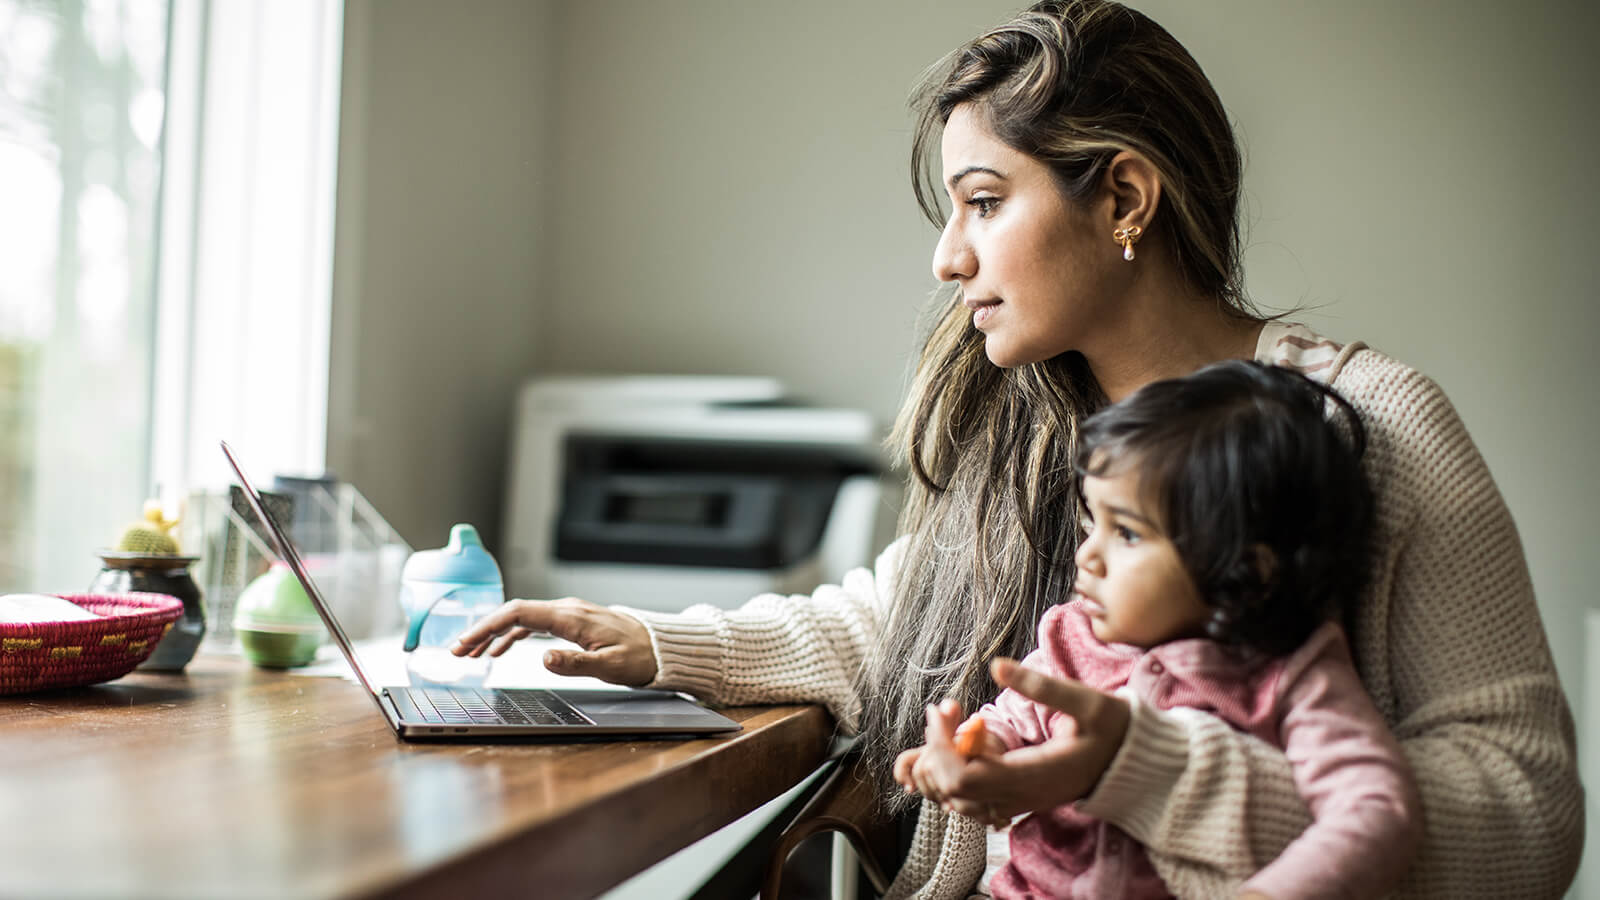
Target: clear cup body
[{"x": 450, "y": 609}]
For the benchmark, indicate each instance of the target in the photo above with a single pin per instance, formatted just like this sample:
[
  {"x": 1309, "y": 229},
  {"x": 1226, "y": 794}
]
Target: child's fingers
[
  {"x": 903, "y": 765},
  {"x": 972, "y": 737},
  {"x": 922, "y": 777},
  {"x": 942, "y": 721}
]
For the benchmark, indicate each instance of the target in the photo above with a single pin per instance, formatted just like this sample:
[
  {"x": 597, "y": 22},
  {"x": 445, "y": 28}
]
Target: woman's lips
[{"x": 982, "y": 310}]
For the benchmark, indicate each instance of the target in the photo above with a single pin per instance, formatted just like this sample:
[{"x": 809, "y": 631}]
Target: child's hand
[
  {"x": 950, "y": 749},
  {"x": 903, "y": 765},
  {"x": 974, "y": 739}
]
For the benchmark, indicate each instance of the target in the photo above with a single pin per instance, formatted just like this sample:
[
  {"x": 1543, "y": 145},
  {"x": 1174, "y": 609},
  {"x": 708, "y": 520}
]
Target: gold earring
[{"x": 1127, "y": 237}]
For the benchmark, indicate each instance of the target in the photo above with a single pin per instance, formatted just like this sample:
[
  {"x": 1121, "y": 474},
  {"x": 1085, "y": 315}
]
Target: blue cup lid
[{"x": 463, "y": 561}]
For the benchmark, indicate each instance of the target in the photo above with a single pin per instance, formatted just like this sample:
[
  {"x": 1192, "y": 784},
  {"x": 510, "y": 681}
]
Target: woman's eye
[{"x": 984, "y": 205}]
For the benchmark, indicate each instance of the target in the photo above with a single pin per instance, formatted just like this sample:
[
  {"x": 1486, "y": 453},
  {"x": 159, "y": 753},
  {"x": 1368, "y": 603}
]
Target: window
[
  {"x": 166, "y": 232},
  {"x": 81, "y": 105}
]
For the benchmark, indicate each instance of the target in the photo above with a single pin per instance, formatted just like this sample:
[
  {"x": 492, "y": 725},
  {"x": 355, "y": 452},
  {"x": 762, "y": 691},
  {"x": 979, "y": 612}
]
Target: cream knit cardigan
[{"x": 1447, "y": 639}]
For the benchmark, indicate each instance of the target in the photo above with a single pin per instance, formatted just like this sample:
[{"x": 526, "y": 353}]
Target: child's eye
[
  {"x": 984, "y": 205},
  {"x": 1127, "y": 535}
]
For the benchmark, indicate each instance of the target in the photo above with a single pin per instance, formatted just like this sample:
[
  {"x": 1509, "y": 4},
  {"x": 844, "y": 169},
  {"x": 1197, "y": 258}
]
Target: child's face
[{"x": 1130, "y": 578}]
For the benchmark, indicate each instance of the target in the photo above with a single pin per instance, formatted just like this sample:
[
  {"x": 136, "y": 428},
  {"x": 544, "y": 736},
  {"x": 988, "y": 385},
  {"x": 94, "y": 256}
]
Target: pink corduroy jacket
[{"x": 1366, "y": 808}]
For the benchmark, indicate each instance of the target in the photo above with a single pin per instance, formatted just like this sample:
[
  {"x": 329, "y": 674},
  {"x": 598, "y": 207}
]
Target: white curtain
[{"x": 244, "y": 284}]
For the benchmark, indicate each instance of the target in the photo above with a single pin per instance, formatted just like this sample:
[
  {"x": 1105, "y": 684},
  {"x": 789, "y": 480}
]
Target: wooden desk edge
[{"x": 573, "y": 858}]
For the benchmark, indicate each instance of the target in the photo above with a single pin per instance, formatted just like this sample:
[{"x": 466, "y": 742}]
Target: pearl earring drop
[{"x": 1127, "y": 237}]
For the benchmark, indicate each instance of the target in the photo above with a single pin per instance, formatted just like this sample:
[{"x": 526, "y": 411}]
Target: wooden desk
[{"x": 229, "y": 781}]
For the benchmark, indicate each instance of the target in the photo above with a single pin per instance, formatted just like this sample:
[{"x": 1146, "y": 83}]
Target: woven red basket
[{"x": 35, "y": 656}]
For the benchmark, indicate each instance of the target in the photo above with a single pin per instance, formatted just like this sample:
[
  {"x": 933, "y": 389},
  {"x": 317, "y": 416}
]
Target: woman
[{"x": 1093, "y": 242}]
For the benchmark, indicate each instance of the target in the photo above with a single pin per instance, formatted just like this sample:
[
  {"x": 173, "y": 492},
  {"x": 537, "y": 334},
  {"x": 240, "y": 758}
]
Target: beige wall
[
  {"x": 705, "y": 186},
  {"x": 734, "y": 192},
  {"x": 441, "y": 253},
  {"x": 1425, "y": 182},
  {"x": 733, "y": 198}
]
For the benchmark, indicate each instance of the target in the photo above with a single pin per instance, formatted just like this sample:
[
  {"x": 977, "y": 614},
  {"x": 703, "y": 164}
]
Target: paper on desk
[{"x": 385, "y": 664}]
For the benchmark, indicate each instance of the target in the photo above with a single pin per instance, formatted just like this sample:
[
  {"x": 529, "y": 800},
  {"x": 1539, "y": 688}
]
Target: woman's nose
[{"x": 953, "y": 259}]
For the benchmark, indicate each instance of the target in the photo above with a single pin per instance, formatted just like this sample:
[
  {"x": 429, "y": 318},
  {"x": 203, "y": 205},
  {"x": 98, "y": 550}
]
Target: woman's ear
[{"x": 1134, "y": 187}]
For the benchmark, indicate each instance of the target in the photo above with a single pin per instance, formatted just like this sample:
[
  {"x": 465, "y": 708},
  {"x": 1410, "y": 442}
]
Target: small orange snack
[{"x": 969, "y": 737}]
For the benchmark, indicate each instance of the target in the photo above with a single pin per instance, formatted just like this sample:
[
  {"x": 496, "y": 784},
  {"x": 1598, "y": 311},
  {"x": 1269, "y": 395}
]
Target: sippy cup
[{"x": 443, "y": 592}]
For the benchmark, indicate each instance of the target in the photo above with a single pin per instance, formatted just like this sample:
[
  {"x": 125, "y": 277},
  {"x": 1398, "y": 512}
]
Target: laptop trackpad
[{"x": 634, "y": 707}]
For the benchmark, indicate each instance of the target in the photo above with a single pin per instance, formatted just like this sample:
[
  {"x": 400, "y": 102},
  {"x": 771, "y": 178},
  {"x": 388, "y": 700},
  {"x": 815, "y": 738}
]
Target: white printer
[{"x": 660, "y": 492}]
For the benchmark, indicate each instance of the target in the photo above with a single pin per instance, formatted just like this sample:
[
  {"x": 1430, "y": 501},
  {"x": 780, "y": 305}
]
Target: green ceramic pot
[{"x": 275, "y": 621}]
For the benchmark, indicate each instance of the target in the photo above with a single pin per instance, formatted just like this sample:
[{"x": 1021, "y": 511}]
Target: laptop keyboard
[{"x": 464, "y": 706}]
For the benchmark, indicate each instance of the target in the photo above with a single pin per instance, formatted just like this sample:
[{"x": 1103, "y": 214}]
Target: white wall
[
  {"x": 1424, "y": 173},
  {"x": 733, "y": 197},
  {"x": 721, "y": 186},
  {"x": 441, "y": 256},
  {"x": 734, "y": 192}
]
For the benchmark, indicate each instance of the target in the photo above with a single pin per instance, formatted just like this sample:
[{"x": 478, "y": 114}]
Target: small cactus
[{"x": 152, "y": 535}]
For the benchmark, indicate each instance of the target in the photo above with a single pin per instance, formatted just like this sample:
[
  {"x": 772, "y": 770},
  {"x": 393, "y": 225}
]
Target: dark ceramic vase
[{"x": 158, "y": 574}]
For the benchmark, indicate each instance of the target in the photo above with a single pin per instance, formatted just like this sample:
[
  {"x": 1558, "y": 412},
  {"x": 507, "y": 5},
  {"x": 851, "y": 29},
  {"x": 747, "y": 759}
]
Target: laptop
[{"x": 457, "y": 713}]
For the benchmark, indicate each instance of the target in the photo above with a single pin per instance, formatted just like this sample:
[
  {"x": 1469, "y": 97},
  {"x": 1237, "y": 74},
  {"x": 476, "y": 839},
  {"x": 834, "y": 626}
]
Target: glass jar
[{"x": 158, "y": 573}]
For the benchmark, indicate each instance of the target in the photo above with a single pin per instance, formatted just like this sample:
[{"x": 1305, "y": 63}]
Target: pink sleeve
[
  {"x": 1363, "y": 798},
  {"x": 1016, "y": 720}
]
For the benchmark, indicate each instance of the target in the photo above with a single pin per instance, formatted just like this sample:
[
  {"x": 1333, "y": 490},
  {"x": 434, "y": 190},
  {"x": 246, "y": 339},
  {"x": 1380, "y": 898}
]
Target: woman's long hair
[{"x": 991, "y": 513}]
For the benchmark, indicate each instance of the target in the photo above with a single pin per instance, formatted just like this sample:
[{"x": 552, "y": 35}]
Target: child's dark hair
[{"x": 1238, "y": 456}]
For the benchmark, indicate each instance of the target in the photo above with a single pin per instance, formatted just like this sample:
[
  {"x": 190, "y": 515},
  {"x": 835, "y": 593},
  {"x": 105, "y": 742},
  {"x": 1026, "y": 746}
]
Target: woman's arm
[
  {"x": 1451, "y": 647},
  {"x": 772, "y": 649},
  {"x": 777, "y": 649}
]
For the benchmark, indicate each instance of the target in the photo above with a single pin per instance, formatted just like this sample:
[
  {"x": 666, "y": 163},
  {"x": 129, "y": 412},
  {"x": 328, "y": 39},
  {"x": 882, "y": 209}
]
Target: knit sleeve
[
  {"x": 1450, "y": 643},
  {"x": 946, "y": 856},
  {"x": 777, "y": 649}
]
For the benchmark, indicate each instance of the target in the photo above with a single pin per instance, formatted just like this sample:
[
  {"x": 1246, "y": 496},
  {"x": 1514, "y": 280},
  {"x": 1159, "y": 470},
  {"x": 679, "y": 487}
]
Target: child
[{"x": 1227, "y": 523}]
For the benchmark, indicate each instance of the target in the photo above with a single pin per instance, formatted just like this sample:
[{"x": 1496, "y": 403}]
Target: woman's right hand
[{"x": 615, "y": 647}]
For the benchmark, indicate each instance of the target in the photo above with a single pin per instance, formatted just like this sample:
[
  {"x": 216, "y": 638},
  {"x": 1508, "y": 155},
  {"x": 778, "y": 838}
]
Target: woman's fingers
[
  {"x": 615, "y": 647},
  {"x": 500, "y": 644},
  {"x": 1070, "y": 697},
  {"x": 528, "y": 615},
  {"x": 615, "y": 663},
  {"x": 1102, "y": 718}
]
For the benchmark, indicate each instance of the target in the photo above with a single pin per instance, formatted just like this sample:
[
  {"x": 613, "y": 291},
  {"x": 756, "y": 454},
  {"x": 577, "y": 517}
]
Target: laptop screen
[{"x": 288, "y": 554}]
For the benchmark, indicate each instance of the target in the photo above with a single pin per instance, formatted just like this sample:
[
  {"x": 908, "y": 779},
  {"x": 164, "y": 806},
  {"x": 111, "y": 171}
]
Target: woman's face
[{"x": 1032, "y": 266}]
